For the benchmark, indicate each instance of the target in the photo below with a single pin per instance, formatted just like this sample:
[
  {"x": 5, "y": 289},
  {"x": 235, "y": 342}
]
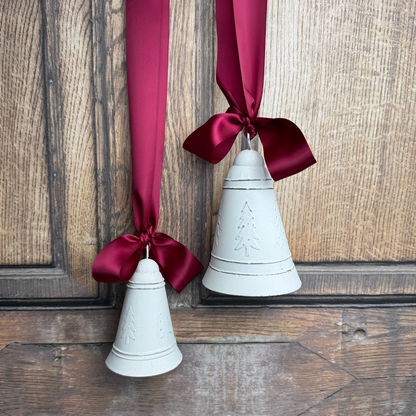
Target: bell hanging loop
[
  {"x": 249, "y": 141},
  {"x": 250, "y": 254}
]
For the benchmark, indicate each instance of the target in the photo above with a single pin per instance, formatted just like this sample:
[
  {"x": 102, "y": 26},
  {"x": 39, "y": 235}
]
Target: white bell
[
  {"x": 145, "y": 345},
  {"x": 250, "y": 255}
]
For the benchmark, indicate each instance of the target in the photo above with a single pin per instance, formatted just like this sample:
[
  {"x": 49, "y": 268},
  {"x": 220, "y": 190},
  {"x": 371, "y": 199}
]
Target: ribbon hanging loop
[
  {"x": 147, "y": 41},
  {"x": 241, "y": 33}
]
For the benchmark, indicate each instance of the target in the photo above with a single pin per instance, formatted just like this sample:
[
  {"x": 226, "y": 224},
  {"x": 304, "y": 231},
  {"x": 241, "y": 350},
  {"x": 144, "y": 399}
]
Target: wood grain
[
  {"x": 238, "y": 379},
  {"x": 185, "y": 200},
  {"x": 25, "y": 234},
  {"x": 382, "y": 397},
  {"x": 111, "y": 121},
  {"x": 190, "y": 325},
  {"x": 76, "y": 326},
  {"x": 367, "y": 342},
  {"x": 374, "y": 347},
  {"x": 379, "y": 342},
  {"x": 349, "y": 279},
  {"x": 345, "y": 73},
  {"x": 59, "y": 104},
  {"x": 72, "y": 34},
  {"x": 111, "y": 113}
]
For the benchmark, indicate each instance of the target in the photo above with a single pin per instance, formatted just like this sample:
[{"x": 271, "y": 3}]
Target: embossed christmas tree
[
  {"x": 128, "y": 327},
  {"x": 247, "y": 236},
  {"x": 217, "y": 231}
]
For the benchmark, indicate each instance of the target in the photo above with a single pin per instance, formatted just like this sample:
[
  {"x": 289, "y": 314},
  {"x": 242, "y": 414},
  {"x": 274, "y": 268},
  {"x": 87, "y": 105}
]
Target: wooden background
[{"x": 344, "y": 72}]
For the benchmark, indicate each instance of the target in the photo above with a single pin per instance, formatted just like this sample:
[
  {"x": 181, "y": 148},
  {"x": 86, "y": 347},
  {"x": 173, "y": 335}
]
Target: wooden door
[{"x": 344, "y": 344}]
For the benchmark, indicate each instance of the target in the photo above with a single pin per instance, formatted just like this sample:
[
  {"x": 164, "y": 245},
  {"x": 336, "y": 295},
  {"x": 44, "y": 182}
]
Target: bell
[
  {"x": 145, "y": 345},
  {"x": 250, "y": 254}
]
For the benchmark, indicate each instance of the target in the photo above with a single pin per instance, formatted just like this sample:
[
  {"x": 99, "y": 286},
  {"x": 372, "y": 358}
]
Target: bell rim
[
  {"x": 242, "y": 285},
  {"x": 144, "y": 368}
]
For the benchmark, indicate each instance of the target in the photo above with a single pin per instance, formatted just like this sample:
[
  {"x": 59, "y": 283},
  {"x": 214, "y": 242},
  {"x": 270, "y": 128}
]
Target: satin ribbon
[
  {"x": 241, "y": 32},
  {"x": 147, "y": 41}
]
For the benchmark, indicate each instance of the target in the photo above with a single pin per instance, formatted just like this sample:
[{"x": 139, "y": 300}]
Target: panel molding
[{"x": 337, "y": 284}]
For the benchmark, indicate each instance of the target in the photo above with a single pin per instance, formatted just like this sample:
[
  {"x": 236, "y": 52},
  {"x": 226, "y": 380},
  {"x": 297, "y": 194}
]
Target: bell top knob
[
  {"x": 248, "y": 165},
  {"x": 147, "y": 272},
  {"x": 248, "y": 158}
]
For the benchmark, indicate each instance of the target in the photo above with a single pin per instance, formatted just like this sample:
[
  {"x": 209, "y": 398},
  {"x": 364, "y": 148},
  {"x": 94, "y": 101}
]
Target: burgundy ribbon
[
  {"x": 241, "y": 31},
  {"x": 147, "y": 41}
]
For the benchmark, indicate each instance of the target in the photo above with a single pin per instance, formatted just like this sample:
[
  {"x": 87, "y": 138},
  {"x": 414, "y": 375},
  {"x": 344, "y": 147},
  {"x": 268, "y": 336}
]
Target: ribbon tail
[
  {"x": 286, "y": 150},
  {"x": 214, "y": 139},
  {"x": 118, "y": 260},
  {"x": 178, "y": 265}
]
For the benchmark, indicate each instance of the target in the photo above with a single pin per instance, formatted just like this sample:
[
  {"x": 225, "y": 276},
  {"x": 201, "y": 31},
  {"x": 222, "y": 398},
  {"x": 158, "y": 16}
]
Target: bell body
[
  {"x": 145, "y": 345},
  {"x": 250, "y": 255}
]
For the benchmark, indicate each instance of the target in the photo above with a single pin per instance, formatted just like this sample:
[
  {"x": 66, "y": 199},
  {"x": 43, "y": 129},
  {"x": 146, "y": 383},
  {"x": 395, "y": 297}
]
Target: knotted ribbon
[
  {"x": 147, "y": 41},
  {"x": 241, "y": 32}
]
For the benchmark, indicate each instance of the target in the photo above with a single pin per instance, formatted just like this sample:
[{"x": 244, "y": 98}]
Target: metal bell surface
[
  {"x": 145, "y": 345},
  {"x": 250, "y": 254}
]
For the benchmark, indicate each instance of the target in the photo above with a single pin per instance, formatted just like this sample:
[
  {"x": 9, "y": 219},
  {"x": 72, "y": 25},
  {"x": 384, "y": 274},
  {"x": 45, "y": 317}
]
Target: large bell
[
  {"x": 145, "y": 345},
  {"x": 250, "y": 255}
]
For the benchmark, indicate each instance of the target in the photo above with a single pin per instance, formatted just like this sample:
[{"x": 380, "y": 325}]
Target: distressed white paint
[
  {"x": 250, "y": 255},
  {"x": 145, "y": 345}
]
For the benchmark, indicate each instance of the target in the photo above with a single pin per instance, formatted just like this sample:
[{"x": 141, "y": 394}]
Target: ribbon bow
[
  {"x": 147, "y": 40},
  {"x": 118, "y": 260},
  {"x": 241, "y": 32}
]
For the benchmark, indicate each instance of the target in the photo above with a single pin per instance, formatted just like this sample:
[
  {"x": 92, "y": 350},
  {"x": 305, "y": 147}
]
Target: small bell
[
  {"x": 145, "y": 345},
  {"x": 250, "y": 255}
]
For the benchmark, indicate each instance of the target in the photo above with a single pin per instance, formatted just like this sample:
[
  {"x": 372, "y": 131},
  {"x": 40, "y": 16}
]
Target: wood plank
[
  {"x": 204, "y": 35},
  {"x": 74, "y": 34},
  {"x": 111, "y": 112},
  {"x": 178, "y": 200},
  {"x": 185, "y": 201},
  {"x": 75, "y": 326},
  {"x": 382, "y": 397},
  {"x": 243, "y": 379},
  {"x": 68, "y": 62},
  {"x": 111, "y": 121},
  {"x": 367, "y": 342},
  {"x": 25, "y": 234},
  {"x": 201, "y": 325}
]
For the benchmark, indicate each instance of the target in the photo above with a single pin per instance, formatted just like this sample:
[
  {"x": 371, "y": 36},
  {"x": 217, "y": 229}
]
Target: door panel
[
  {"x": 353, "y": 94},
  {"x": 50, "y": 145},
  {"x": 25, "y": 231},
  {"x": 345, "y": 73}
]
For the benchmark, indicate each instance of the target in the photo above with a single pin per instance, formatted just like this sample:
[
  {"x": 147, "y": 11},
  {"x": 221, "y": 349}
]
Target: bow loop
[{"x": 118, "y": 260}]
